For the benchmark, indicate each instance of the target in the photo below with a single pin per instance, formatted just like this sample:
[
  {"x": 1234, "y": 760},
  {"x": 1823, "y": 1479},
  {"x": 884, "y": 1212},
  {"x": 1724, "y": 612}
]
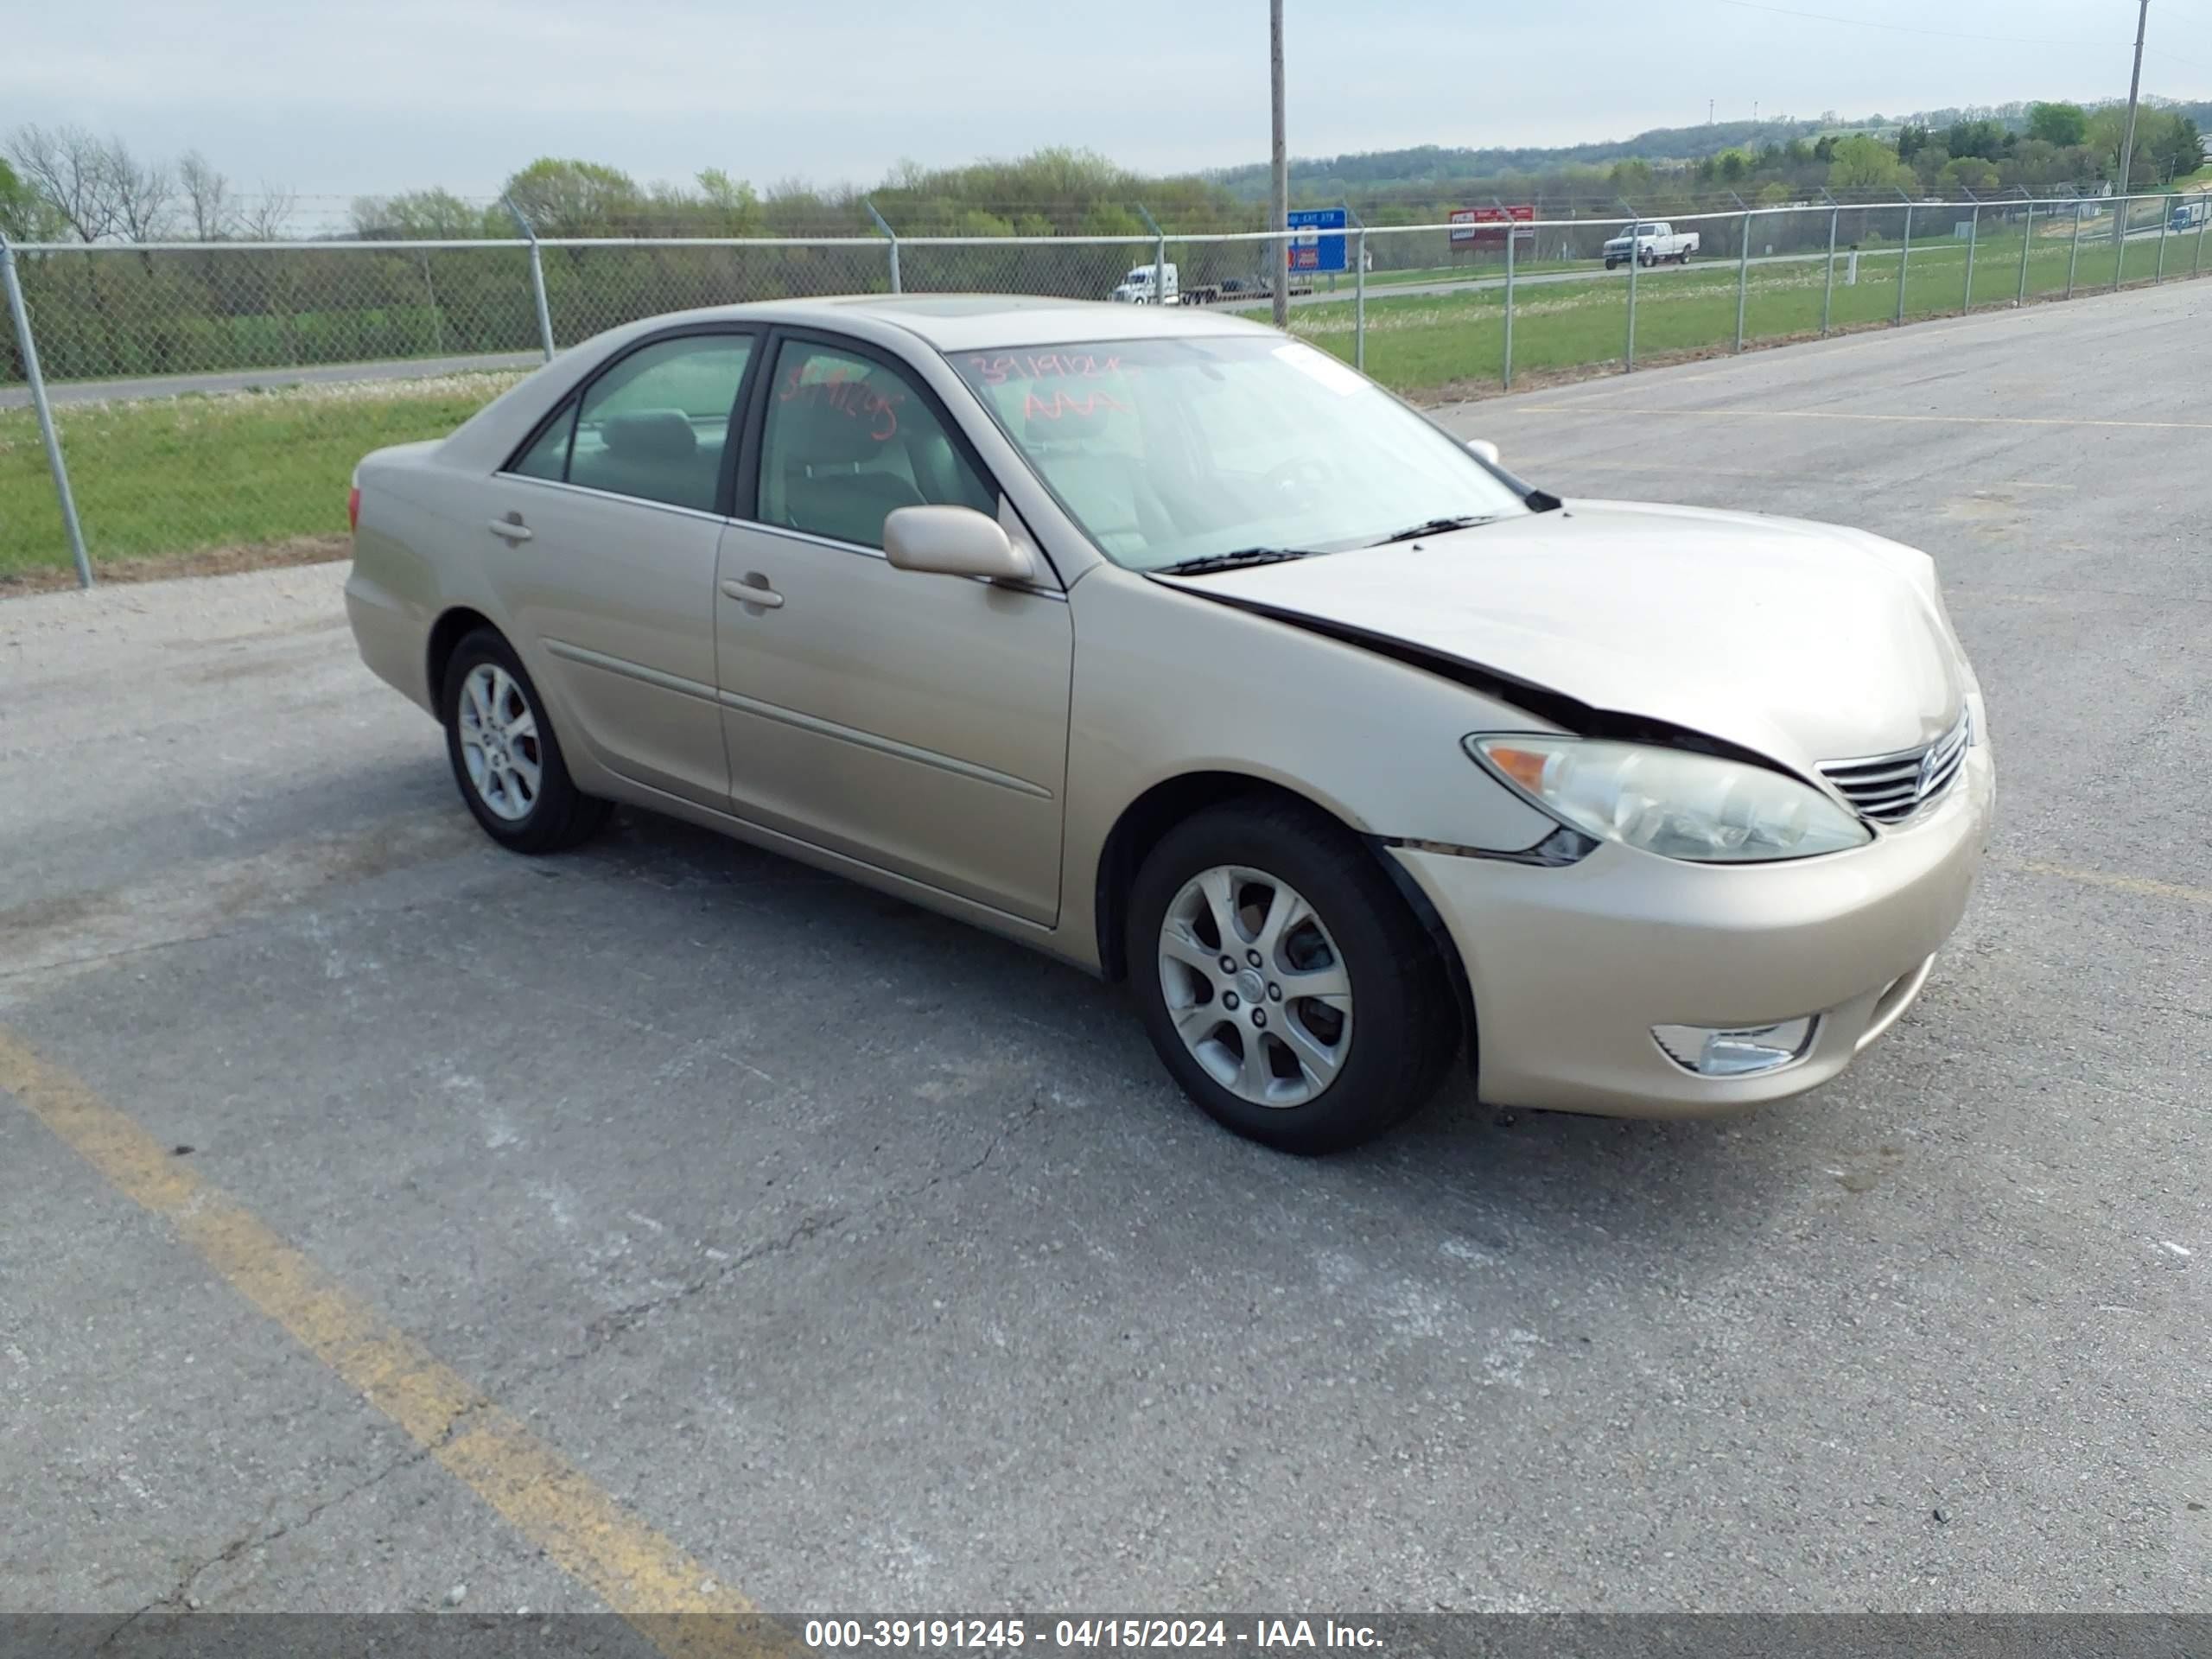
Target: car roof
[{"x": 962, "y": 322}]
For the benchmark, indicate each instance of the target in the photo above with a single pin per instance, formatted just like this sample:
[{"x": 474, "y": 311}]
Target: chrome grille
[{"x": 1890, "y": 788}]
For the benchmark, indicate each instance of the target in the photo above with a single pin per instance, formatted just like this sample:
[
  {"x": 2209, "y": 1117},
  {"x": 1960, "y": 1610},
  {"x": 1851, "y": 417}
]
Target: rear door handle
[
  {"x": 753, "y": 590},
  {"x": 513, "y": 528}
]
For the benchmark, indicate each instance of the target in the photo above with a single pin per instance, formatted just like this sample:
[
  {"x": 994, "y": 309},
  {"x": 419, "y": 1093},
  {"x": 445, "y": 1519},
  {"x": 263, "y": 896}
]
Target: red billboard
[{"x": 1480, "y": 224}]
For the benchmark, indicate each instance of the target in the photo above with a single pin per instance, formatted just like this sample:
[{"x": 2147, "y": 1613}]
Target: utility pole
[
  {"x": 2134, "y": 88},
  {"x": 1709, "y": 102},
  {"x": 1282, "y": 166}
]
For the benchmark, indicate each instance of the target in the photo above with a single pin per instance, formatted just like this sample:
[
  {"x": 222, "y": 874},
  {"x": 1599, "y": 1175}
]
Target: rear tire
[
  {"x": 1334, "y": 1017},
  {"x": 504, "y": 756}
]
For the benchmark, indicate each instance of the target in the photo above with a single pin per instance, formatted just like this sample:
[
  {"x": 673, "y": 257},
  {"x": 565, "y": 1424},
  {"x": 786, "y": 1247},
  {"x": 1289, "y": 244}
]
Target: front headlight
[{"x": 1670, "y": 802}]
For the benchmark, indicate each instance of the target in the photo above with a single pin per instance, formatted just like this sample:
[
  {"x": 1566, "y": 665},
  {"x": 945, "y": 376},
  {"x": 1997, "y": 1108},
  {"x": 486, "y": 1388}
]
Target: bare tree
[
  {"x": 144, "y": 192},
  {"x": 206, "y": 198},
  {"x": 267, "y": 217},
  {"x": 68, "y": 168}
]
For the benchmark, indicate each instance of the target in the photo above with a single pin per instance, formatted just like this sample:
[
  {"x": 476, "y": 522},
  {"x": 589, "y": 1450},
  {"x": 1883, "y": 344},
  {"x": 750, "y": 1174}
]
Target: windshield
[{"x": 1172, "y": 450}]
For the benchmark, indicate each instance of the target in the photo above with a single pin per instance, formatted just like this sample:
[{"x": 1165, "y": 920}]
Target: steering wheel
[{"x": 1301, "y": 475}]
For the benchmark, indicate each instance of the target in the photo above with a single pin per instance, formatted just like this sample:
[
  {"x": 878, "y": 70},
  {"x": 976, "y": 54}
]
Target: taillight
[{"x": 353, "y": 508}]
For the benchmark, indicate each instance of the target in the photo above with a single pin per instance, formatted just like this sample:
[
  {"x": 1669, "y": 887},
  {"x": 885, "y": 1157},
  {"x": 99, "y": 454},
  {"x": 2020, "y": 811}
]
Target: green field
[
  {"x": 1488, "y": 269},
  {"x": 254, "y": 476},
  {"x": 1425, "y": 343},
  {"x": 244, "y": 473}
]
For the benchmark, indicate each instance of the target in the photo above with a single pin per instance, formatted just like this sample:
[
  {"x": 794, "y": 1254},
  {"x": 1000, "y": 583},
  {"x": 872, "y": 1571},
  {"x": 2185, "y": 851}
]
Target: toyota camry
[{"x": 1172, "y": 647}]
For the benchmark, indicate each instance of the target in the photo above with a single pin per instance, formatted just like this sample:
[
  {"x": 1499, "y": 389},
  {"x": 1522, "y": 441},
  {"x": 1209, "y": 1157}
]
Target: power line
[{"x": 1907, "y": 28}]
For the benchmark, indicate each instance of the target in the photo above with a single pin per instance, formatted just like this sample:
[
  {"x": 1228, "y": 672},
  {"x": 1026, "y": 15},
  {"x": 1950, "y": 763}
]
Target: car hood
[{"x": 1803, "y": 642}]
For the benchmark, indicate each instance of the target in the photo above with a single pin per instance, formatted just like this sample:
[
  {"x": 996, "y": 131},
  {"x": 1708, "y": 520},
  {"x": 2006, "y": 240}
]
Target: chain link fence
[{"x": 206, "y": 402}]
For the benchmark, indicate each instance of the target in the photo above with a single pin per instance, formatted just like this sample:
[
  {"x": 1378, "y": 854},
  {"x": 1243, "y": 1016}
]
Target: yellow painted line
[
  {"x": 1593, "y": 406},
  {"x": 635, "y": 1570},
  {"x": 2137, "y": 884}
]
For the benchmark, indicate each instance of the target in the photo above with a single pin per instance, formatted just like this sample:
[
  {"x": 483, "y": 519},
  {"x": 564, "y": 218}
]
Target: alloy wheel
[
  {"x": 1256, "y": 987},
  {"x": 499, "y": 743}
]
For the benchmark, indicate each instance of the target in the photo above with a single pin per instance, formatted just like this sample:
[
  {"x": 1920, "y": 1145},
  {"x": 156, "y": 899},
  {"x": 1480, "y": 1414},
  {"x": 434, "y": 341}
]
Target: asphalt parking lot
[{"x": 390, "y": 1223}]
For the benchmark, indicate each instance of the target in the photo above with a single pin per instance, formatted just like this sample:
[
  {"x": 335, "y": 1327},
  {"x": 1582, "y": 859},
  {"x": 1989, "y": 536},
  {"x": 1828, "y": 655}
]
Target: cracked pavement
[{"x": 874, "y": 1261}]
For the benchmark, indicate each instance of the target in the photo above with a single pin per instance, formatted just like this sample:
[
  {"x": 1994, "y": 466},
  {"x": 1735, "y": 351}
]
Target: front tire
[
  {"x": 504, "y": 756},
  {"x": 1283, "y": 981}
]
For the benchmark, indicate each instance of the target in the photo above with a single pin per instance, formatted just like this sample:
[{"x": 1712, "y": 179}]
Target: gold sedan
[{"x": 1175, "y": 648}]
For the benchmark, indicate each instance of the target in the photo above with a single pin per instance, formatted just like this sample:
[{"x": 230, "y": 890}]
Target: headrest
[{"x": 650, "y": 434}]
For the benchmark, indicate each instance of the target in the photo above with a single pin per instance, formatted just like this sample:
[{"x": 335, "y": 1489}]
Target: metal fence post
[
  {"x": 21, "y": 317},
  {"x": 2027, "y": 241},
  {"x": 1743, "y": 276},
  {"x": 2166, "y": 223},
  {"x": 891, "y": 236},
  {"x": 1507, "y": 384},
  {"x": 536, "y": 276},
  {"x": 437, "y": 317},
  {"x": 2074, "y": 254},
  {"x": 1159, "y": 257},
  {"x": 1635, "y": 260},
  {"x": 2203, "y": 219},
  {"x": 1973, "y": 235},
  {"x": 1359, "y": 304},
  {"x": 1905, "y": 258},
  {"x": 1827, "y": 294},
  {"x": 2119, "y": 244}
]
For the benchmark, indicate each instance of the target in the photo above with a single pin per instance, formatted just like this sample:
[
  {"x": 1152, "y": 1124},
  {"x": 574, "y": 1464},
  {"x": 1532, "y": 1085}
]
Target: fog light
[{"x": 1743, "y": 1052}]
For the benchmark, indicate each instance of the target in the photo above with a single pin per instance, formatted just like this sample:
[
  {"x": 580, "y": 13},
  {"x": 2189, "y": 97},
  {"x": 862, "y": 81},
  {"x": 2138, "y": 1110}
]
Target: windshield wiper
[
  {"x": 1241, "y": 559},
  {"x": 1434, "y": 527}
]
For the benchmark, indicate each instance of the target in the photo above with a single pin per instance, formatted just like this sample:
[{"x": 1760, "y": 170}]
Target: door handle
[
  {"x": 511, "y": 527},
  {"x": 753, "y": 590}
]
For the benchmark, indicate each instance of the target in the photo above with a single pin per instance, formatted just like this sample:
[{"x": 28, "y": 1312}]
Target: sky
[{"x": 336, "y": 100}]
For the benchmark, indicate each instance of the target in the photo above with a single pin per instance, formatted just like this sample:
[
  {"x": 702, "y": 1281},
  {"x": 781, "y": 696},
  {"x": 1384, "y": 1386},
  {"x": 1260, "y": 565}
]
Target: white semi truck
[
  {"x": 1649, "y": 242},
  {"x": 1138, "y": 287}
]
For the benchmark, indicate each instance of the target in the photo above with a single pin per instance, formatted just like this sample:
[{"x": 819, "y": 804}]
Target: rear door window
[{"x": 655, "y": 425}]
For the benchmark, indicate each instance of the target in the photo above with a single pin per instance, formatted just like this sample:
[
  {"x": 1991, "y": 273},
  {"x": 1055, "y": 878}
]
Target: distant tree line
[
  {"x": 1410, "y": 186},
  {"x": 67, "y": 184},
  {"x": 151, "y": 313}
]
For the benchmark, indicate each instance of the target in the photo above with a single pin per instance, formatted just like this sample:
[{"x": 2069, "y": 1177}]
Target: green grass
[
  {"x": 1427, "y": 343},
  {"x": 1473, "y": 271},
  {"x": 258, "y": 474},
  {"x": 170, "y": 477}
]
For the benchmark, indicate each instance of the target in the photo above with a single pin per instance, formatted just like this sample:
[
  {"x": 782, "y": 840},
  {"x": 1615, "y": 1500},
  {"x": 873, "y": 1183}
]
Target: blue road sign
[{"x": 1309, "y": 249}]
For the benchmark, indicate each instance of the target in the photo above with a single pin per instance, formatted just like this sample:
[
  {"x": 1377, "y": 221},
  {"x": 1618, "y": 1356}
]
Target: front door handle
[
  {"x": 511, "y": 527},
  {"x": 753, "y": 590}
]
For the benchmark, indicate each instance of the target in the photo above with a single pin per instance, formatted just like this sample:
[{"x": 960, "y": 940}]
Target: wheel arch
[
  {"x": 1170, "y": 801},
  {"x": 1149, "y": 817},
  {"x": 453, "y": 627}
]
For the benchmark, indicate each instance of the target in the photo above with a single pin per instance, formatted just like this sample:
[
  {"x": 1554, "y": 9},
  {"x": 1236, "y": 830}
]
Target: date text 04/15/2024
[{"x": 831, "y": 1634}]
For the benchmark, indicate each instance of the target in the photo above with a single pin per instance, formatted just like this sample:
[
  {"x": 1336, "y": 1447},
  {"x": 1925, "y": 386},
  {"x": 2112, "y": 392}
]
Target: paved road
[{"x": 850, "y": 1259}]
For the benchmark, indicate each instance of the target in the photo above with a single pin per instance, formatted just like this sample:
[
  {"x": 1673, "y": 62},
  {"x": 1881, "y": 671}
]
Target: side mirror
[
  {"x": 1485, "y": 450},
  {"x": 955, "y": 542}
]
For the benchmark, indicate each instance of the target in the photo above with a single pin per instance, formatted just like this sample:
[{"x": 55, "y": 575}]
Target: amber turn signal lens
[{"x": 1524, "y": 766}]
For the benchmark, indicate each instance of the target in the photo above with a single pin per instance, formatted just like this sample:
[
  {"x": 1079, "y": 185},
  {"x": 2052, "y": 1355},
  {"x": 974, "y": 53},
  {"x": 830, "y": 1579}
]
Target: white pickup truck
[{"x": 1648, "y": 243}]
